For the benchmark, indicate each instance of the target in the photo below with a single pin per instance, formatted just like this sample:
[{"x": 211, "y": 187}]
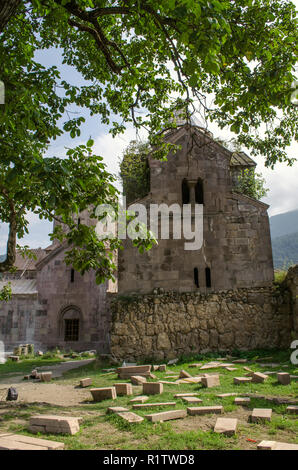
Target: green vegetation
[
  {"x": 251, "y": 184},
  {"x": 101, "y": 431},
  {"x": 134, "y": 171},
  {"x": 285, "y": 251}
]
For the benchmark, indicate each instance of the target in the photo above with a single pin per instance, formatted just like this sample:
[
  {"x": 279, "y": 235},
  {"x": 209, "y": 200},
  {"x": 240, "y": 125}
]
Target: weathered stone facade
[
  {"x": 168, "y": 325},
  {"x": 236, "y": 249}
]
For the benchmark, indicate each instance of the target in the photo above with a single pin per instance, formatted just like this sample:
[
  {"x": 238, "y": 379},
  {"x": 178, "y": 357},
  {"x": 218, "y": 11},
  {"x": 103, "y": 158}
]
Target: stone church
[{"x": 52, "y": 305}]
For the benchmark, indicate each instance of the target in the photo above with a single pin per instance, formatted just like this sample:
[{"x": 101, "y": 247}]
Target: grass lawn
[{"x": 104, "y": 431}]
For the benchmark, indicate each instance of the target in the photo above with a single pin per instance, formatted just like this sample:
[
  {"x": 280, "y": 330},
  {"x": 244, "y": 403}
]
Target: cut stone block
[
  {"x": 210, "y": 381},
  {"x": 130, "y": 417},
  {"x": 137, "y": 379},
  {"x": 123, "y": 389},
  {"x": 150, "y": 405},
  {"x": 180, "y": 395},
  {"x": 224, "y": 395},
  {"x": 211, "y": 365},
  {"x": 275, "y": 445},
  {"x": 284, "y": 378},
  {"x": 162, "y": 368},
  {"x": 195, "y": 365},
  {"x": 247, "y": 369},
  {"x": 242, "y": 401},
  {"x": 226, "y": 426},
  {"x": 191, "y": 400},
  {"x": 184, "y": 374},
  {"x": 152, "y": 388},
  {"x": 140, "y": 399},
  {"x": 260, "y": 414},
  {"x": 203, "y": 410},
  {"x": 166, "y": 415},
  {"x": 170, "y": 383},
  {"x": 155, "y": 368},
  {"x": 54, "y": 424},
  {"x": 193, "y": 380},
  {"x": 116, "y": 409},
  {"x": 18, "y": 442},
  {"x": 85, "y": 382},
  {"x": 46, "y": 376},
  {"x": 258, "y": 377},
  {"x": 127, "y": 372},
  {"x": 242, "y": 380},
  {"x": 231, "y": 369},
  {"x": 106, "y": 393},
  {"x": 292, "y": 409},
  {"x": 239, "y": 361}
]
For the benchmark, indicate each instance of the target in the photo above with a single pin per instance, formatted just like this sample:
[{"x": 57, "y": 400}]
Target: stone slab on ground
[
  {"x": 127, "y": 372},
  {"x": 151, "y": 405},
  {"x": 191, "y": 400},
  {"x": 210, "y": 381},
  {"x": 123, "y": 389},
  {"x": 54, "y": 424},
  {"x": 152, "y": 388},
  {"x": 275, "y": 445},
  {"x": 130, "y": 417},
  {"x": 242, "y": 401},
  {"x": 227, "y": 426},
  {"x": 85, "y": 382},
  {"x": 239, "y": 361},
  {"x": 166, "y": 415},
  {"x": 261, "y": 415},
  {"x": 258, "y": 377},
  {"x": 10, "y": 441},
  {"x": 116, "y": 409},
  {"x": 184, "y": 374},
  {"x": 292, "y": 409},
  {"x": 137, "y": 379},
  {"x": 283, "y": 378},
  {"x": 139, "y": 399},
  {"x": 180, "y": 395},
  {"x": 105, "y": 393},
  {"x": 231, "y": 369},
  {"x": 195, "y": 365},
  {"x": 203, "y": 410},
  {"x": 242, "y": 380},
  {"x": 224, "y": 395},
  {"x": 162, "y": 368}
]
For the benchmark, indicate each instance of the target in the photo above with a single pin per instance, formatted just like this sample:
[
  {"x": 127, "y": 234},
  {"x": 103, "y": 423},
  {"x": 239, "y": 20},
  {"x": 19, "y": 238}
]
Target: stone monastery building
[{"x": 52, "y": 305}]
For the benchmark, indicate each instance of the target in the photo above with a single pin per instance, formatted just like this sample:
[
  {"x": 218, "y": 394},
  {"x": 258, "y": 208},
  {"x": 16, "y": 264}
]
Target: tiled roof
[
  {"x": 29, "y": 264},
  {"x": 241, "y": 159},
  {"x": 21, "y": 286}
]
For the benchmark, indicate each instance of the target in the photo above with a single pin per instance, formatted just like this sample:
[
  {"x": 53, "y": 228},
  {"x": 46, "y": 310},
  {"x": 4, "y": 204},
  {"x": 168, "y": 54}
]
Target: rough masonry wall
[{"x": 164, "y": 326}]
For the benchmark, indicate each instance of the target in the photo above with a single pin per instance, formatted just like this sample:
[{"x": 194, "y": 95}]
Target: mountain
[
  {"x": 284, "y": 224},
  {"x": 285, "y": 251}
]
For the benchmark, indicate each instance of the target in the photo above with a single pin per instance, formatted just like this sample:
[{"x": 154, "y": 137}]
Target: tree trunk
[
  {"x": 7, "y": 10},
  {"x": 8, "y": 263}
]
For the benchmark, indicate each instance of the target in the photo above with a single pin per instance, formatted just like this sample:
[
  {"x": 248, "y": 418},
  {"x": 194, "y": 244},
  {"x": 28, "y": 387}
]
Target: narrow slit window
[
  {"x": 208, "y": 277},
  {"x": 199, "y": 192},
  {"x": 185, "y": 192},
  {"x": 196, "y": 276},
  {"x": 71, "y": 332},
  {"x": 72, "y": 275}
]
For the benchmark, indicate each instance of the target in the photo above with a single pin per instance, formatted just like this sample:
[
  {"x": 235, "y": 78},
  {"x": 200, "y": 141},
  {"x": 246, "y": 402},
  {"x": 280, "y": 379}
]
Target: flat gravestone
[
  {"x": 85, "y": 382},
  {"x": 166, "y": 415},
  {"x": 226, "y": 426},
  {"x": 141, "y": 406},
  {"x": 45, "y": 376},
  {"x": 275, "y": 445},
  {"x": 258, "y": 377},
  {"x": 123, "y": 389},
  {"x": 106, "y": 393},
  {"x": 260, "y": 415},
  {"x": 184, "y": 374},
  {"x": 203, "y": 410},
  {"x": 137, "y": 379},
  {"x": 242, "y": 380},
  {"x": 191, "y": 400},
  {"x": 242, "y": 401},
  {"x": 210, "y": 381},
  {"x": 180, "y": 395},
  {"x": 224, "y": 395},
  {"x": 292, "y": 409},
  {"x": 152, "y": 388},
  {"x": 54, "y": 424},
  {"x": 130, "y": 417},
  {"x": 10, "y": 441},
  {"x": 116, "y": 409},
  {"x": 140, "y": 399}
]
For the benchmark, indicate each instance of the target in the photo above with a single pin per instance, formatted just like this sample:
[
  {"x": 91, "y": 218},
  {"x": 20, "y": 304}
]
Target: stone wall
[
  {"x": 291, "y": 283},
  {"x": 167, "y": 325}
]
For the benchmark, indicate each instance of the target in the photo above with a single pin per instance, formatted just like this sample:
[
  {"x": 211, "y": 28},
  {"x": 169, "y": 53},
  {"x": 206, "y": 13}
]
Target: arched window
[
  {"x": 71, "y": 324},
  {"x": 196, "y": 277},
  {"x": 208, "y": 277},
  {"x": 199, "y": 192},
  {"x": 185, "y": 192}
]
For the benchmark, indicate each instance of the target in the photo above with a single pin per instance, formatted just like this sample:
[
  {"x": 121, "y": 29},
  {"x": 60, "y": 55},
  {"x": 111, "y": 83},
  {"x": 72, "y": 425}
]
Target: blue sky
[{"x": 282, "y": 181}]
